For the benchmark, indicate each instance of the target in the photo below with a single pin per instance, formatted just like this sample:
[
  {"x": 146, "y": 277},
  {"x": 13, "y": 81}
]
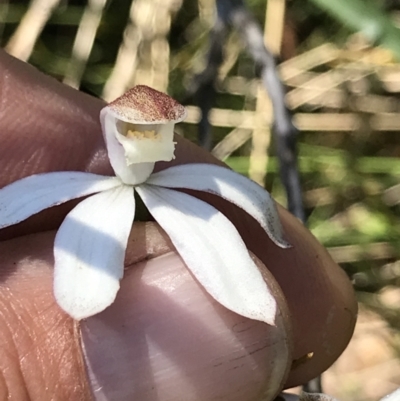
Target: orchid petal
[
  {"x": 227, "y": 184},
  {"x": 89, "y": 252},
  {"x": 395, "y": 396},
  {"x": 213, "y": 250},
  {"x": 30, "y": 195},
  {"x": 138, "y": 128},
  {"x": 133, "y": 174}
]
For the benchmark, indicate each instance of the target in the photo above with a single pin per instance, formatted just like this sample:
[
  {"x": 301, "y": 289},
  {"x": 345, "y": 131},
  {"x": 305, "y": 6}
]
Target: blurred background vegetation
[{"x": 339, "y": 61}]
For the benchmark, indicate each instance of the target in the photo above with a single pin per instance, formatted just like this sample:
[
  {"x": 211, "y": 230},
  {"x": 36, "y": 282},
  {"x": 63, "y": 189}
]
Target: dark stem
[
  {"x": 202, "y": 88},
  {"x": 235, "y": 13},
  {"x": 313, "y": 386},
  {"x": 284, "y": 131}
]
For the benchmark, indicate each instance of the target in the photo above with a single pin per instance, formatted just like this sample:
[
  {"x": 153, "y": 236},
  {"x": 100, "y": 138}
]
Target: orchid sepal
[
  {"x": 227, "y": 184},
  {"x": 213, "y": 250},
  {"x": 31, "y": 195},
  {"x": 89, "y": 252}
]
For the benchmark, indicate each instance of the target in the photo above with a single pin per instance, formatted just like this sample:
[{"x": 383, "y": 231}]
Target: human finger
[{"x": 163, "y": 335}]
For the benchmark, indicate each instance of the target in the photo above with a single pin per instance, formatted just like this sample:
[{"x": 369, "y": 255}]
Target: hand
[{"x": 164, "y": 338}]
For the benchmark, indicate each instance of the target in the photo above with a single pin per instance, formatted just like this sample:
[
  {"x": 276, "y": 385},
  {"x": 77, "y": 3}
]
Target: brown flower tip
[{"x": 144, "y": 105}]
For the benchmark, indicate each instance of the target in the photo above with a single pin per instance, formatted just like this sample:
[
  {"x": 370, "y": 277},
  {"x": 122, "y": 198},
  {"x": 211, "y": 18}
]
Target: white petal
[
  {"x": 28, "y": 196},
  {"x": 89, "y": 252},
  {"x": 395, "y": 396},
  {"x": 229, "y": 185},
  {"x": 213, "y": 250}
]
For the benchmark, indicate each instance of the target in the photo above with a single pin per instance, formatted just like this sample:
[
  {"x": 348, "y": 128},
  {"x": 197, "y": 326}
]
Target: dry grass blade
[
  {"x": 318, "y": 86},
  {"x": 354, "y": 253},
  {"x": 261, "y": 138},
  {"x": 306, "y": 61},
  {"x": 274, "y": 24},
  {"x": 328, "y": 122},
  {"x": 3, "y": 14},
  {"x": 147, "y": 30},
  {"x": 24, "y": 38},
  {"x": 234, "y": 140},
  {"x": 126, "y": 61},
  {"x": 392, "y": 195},
  {"x": 84, "y": 42}
]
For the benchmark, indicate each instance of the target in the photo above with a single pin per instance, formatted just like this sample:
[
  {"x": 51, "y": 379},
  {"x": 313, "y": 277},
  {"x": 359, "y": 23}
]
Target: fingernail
[{"x": 165, "y": 338}]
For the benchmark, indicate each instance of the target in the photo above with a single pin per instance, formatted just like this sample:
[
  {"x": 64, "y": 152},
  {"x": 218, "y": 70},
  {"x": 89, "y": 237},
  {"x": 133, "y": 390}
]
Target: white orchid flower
[{"x": 90, "y": 244}]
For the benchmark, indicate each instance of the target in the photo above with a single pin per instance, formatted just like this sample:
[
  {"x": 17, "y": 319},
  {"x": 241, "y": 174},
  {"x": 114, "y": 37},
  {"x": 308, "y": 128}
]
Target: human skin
[{"x": 151, "y": 336}]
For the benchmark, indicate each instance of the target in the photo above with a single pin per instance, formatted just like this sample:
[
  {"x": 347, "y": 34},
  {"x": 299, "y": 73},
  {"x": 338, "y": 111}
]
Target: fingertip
[
  {"x": 45, "y": 125},
  {"x": 164, "y": 335},
  {"x": 320, "y": 297},
  {"x": 39, "y": 353}
]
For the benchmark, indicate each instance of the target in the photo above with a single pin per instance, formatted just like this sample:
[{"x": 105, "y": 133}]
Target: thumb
[{"x": 164, "y": 337}]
